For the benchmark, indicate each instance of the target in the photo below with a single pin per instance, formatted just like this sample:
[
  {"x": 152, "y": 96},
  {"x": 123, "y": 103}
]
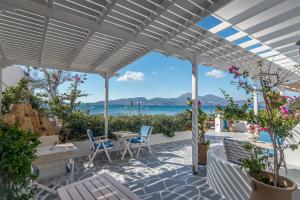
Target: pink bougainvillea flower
[
  {"x": 234, "y": 70},
  {"x": 283, "y": 110}
]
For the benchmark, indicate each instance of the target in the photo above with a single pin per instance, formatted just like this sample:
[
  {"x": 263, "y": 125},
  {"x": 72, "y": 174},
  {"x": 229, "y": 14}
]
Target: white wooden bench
[{"x": 97, "y": 187}]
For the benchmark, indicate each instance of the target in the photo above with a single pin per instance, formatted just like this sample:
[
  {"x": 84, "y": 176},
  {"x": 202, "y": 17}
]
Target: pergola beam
[
  {"x": 2, "y": 52},
  {"x": 46, "y": 22},
  {"x": 9, "y": 62}
]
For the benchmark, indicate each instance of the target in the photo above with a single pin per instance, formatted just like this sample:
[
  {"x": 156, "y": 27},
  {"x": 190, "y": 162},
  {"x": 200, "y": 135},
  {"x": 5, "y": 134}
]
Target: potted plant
[
  {"x": 232, "y": 112},
  {"x": 278, "y": 122},
  {"x": 203, "y": 144},
  {"x": 18, "y": 151}
]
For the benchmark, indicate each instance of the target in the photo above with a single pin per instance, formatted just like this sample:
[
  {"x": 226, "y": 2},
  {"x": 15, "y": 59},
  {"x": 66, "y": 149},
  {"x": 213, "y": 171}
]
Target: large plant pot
[
  {"x": 202, "y": 153},
  {"x": 231, "y": 127},
  {"x": 262, "y": 191}
]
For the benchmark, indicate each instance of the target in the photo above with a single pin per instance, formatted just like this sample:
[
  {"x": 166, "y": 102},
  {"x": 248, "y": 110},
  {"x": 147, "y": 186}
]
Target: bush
[
  {"x": 78, "y": 122},
  {"x": 19, "y": 94},
  {"x": 17, "y": 150}
]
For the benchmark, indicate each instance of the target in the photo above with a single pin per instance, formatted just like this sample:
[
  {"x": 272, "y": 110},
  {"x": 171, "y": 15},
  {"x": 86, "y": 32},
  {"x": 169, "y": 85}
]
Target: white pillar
[
  {"x": 106, "y": 106},
  {"x": 195, "y": 114},
  {"x": 282, "y": 91},
  {"x": 255, "y": 98}
]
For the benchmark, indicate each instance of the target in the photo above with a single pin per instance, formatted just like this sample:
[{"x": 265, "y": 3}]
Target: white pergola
[{"x": 103, "y": 36}]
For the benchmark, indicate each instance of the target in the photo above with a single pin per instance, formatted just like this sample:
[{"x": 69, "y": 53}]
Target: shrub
[
  {"x": 75, "y": 127},
  {"x": 19, "y": 94},
  {"x": 17, "y": 150}
]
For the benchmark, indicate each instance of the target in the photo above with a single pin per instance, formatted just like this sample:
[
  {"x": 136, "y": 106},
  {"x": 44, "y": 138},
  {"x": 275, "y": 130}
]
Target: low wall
[
  {"x": 228, "y": 179},
  {"x": 48, "y": 140}
]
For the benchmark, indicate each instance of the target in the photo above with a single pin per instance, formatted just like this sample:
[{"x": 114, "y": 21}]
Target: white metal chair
[
  {"x": 99, "y": 144},
  {"x": 143, "y": 138},
  {"x": 235, "y": 151}
]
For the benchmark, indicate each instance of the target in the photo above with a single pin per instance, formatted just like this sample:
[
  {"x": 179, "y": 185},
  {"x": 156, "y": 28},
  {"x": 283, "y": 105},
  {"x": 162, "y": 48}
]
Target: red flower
[{"x": 263, "y": 129}]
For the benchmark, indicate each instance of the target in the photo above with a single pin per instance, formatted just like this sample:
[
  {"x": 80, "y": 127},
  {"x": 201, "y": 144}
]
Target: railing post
[
  {"x": 195, "y": 114},
  {"x": 106, "y": 78}
]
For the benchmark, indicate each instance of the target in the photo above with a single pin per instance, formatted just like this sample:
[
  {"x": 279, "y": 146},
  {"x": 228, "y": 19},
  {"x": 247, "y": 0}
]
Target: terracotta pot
[
  {"x": 262, "y": 191},
  {"x": 231, "y": 128},
  {"x": 202, "y": 153}
]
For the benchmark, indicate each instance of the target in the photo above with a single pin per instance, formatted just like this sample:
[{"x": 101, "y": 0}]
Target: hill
[{"x": 180, "y": 100}]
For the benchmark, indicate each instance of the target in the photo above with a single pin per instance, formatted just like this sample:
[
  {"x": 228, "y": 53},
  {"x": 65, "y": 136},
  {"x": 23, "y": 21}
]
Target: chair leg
[
  {"x": 92, "y": 159},
  {"x": 43, "y": 187},
  {"x": 107, "y": 154},
  {"x": 149, "y": 148},
  {"x": 137, "y": 155}
]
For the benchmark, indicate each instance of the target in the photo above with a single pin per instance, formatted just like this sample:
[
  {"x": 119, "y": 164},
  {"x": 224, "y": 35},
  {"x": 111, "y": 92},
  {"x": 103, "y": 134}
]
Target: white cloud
[
  {"x": 215, "y": 73},
  {"x": 132, "y": 76}
]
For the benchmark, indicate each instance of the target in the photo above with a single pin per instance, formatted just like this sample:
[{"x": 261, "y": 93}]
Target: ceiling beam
[{"x": 9, "y": 62}]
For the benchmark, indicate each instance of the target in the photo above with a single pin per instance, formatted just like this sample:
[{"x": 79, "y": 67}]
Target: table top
[
  {"x": 102, "y": 186},
  {"x": 55, "y": 149},
  {"x": 125, "y": 134}
]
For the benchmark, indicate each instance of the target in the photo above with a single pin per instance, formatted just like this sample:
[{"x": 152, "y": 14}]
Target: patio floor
[{"x": 164, "y": 175}]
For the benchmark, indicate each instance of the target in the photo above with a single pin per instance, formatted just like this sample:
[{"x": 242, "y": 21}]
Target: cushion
[{"x": 136, "y": 140}]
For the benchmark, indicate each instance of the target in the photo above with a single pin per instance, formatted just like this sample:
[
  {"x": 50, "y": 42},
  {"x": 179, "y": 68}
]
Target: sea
[{"x": 143, "y": 109}]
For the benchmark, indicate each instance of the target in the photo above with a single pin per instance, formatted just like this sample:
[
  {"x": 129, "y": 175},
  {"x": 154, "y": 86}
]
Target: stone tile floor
[{"x": 164, "y": 175}]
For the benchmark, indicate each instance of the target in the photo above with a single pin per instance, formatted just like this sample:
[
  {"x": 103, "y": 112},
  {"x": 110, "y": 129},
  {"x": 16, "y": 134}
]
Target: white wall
[{"x": 11, "y": 76}]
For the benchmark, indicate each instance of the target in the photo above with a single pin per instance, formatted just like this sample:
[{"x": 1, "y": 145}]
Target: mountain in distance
[{"x": 180, "y": 100}]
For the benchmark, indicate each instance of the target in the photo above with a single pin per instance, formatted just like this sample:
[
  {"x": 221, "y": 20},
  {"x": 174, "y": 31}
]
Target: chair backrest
[
  {"x": 90, "y": 135},
  {"x": 235, "y": 151},
  {"x": 264, "y": 136},
  {"x": 146, "y": 131}
]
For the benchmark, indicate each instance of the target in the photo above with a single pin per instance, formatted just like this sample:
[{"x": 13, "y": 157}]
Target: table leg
[
  {"x": 125, "y": 148},
  {"x": 126, "y": 145}
]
